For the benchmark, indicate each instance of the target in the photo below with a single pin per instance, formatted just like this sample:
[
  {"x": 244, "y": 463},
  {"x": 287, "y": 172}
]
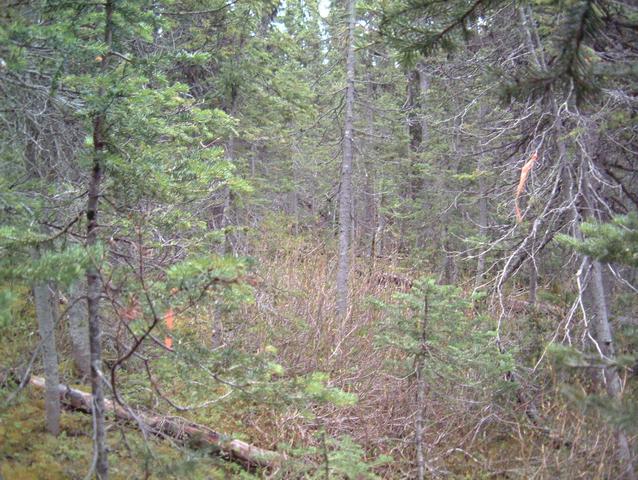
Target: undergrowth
[
  {"x": 28, "y": 452},
  {"x": 292, "y": 376}
]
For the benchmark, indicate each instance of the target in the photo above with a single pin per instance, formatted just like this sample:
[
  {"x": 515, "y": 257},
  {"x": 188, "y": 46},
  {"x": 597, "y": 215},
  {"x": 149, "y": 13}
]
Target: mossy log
[{"x": 174, "y": 427}]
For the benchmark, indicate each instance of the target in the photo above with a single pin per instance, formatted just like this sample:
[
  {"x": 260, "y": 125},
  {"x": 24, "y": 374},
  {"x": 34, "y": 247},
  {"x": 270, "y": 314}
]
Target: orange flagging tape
[
  {"x": 169, "y": 318},
  {"x": 527, "y": 168}
]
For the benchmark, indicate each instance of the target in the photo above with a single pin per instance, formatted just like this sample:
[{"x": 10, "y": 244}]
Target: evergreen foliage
[
  {"x": 431, "y": 321},
  {"x": 493, "y": 227},
  {"x": 612, "y": 242}
]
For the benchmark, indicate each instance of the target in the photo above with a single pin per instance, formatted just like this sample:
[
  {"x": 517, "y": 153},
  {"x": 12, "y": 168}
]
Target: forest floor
[
  {"x": 27, "y": 452},
  {"x": 291, "y": 344}
]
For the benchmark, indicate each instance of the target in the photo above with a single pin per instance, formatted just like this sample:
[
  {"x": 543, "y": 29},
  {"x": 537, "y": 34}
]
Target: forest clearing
[{"x": 310, "y": 239}]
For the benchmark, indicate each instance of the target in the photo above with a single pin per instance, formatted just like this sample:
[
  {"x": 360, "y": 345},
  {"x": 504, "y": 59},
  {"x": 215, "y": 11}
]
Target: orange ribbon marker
[
  {"x": 527, "y": 168},
  {"x": 169, "y": 318}
]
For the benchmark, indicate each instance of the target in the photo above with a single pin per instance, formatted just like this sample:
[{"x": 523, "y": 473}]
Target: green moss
[{"x": 28, "y": 452}]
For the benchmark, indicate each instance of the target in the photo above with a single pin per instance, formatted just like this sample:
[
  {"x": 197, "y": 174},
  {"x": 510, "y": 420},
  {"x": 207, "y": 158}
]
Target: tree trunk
[
  {"x": 79, "y": 329},
  {"x": 45, "y": 302},
  {"x": 419, "y": 418},
  {"x": 345, "y": 192},
  {"x": 421, "y": 386},
  {"x": 595, "y": 300},
  {"x": 448, "y": 270},
  {"x": 93, "y": 281},
  {"x": 368, "y": 218},
  {"x": 417, "y": 127},
  {"x": 483, "y": 219},
  {"x": 591, "y": 277},
  {"x": 93, "y": 294},
  {"x": 220, "y": 222},
  {"x": 217, "y": 331},
  {"x": 378, "y": 248},
  {"x": 370, "y": 213},
  {"x": 46, "y": 313},
  {"x": 533, "y": 282}
]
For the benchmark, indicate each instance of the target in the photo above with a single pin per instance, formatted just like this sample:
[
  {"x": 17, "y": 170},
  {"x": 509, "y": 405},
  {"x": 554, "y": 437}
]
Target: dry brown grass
[{"x": 470, "y": 432}]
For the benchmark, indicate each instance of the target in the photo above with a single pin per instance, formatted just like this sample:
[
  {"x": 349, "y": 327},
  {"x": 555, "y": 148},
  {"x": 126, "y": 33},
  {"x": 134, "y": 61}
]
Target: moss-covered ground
[{"x": 28, "y": 452}]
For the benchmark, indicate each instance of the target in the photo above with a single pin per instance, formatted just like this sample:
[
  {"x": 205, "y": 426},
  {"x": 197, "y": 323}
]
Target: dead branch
[{"x": 175, "y": 427}]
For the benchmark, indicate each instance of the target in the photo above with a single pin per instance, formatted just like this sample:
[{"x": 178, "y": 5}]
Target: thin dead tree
[
  {"x": 576, "y": 187},
  {"x": 345, "y": 191}
]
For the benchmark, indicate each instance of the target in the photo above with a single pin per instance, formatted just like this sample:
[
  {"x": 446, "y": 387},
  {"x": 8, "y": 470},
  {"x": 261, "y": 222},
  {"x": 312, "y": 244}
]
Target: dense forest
[{"x": 314, "y": 239}]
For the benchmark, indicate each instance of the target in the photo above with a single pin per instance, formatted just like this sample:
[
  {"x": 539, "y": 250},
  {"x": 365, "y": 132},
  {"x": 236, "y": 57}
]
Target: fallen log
[{"x": 175, "y": 427}]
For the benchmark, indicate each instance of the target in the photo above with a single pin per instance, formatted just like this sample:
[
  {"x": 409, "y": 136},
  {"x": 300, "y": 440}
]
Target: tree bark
[
  {"x": 368, "y": 218},
  {"x": 419, "y": 418},
  {"x": 93, "y": 281},
  {"x": 421, "y": 386},
  {"x": 483, "y": 212},
  {"x": 174, "y": 427},
  {"x": 46, "y": 313},
  {"x": 533, "y": 282},
  {"x": 480, "y": 264},
  {"x": 94, "y": 290},
  {"x": 79, "y": 329},
  {"x": 45, "y": 302},
  {"x": 417, "y": 127},
  {"x": 345, "y": 192},
  {"x": 448, "y": 270},
  {"x": 378, "y": 248},
  {"x": 591, "y": 277},
  {"x": 224, "y": 210}
]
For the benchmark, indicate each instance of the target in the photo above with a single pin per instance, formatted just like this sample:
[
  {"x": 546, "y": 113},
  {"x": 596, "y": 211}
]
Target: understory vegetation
[
  {"x": 318, "y": 240},
  {"x": 343, "y": 402}
]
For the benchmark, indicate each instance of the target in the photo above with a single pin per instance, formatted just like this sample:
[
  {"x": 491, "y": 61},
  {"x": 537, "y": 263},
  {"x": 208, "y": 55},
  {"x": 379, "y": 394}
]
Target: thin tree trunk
[
  {"x": 533, "y": 282},
  {"x": 483, "y": 219},
  {"x": 370, "y": 213},
  {"x": 94, "y": 290},
  {"x": 419, "y": 418},
  {"x": 217, "y": 332},
  {"x": 595, "y": 300},
  {"x": 46, "y": 313},
  {"x": 44, "y": 300},
  {"x": 93, "y": 282},
  {"x": 417, "y": 127},
  {"x": 79, "y": 329},
  {"x": 345, "y": 192},
  {"x": 221, "y": 222},
  {"x": 448, "y": 271},
  {"x": 369, "y": 204},
  {"x": 600, "y": 328},
  {"x": 378, "y": 249},
  {"x": 421, "y": 386}
]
